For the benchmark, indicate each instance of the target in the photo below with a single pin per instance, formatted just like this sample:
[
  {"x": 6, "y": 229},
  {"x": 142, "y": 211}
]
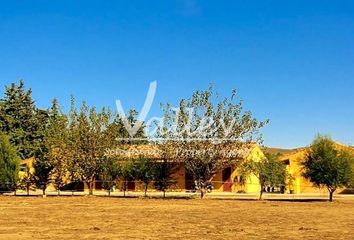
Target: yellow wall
[
  {"x": 298, "y": 185},
  {"x": 26, "y": 164},
  {"x": 301, "y": 184},
  {"x": 251, "y": 184}
]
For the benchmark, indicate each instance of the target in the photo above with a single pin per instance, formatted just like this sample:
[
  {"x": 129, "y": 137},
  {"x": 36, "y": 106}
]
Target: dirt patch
[{"x": 117, "y": 218}]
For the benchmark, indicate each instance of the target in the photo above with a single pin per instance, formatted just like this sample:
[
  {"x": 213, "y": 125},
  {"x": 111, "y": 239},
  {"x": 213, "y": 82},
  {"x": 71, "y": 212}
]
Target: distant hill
[
  {"x": 280, "y": 151},
  {"x": 284, "y": 151}
]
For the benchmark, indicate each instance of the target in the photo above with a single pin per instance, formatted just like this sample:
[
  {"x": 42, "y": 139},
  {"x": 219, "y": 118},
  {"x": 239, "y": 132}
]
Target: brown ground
[{"x": 114, "y": 218}]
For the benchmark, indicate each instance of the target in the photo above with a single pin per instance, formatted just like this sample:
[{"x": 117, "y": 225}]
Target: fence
[{"x": 136, "y": 187}]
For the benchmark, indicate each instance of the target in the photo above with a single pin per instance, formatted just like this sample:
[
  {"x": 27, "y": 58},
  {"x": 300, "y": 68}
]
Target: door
[
  {"x": 226, "y": 178},
  {"x": 131, "y": 186},
  {"x": 189, "y": 183}
]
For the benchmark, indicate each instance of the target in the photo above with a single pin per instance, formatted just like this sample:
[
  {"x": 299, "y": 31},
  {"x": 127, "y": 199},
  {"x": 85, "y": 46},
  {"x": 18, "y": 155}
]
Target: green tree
[
  {"x": 163, "y": 175},
  {"x": 89, "y": 141},
  {"x": 42, "y": 171},
  {"x": 164, "y": 169},
  {"x": 204, "y": 129},
  {"x": 118, "y": 136},
  {"x": 71, "y": 150},
  {"x": 110, "y": 174},
  {"x": 18, "y": 119},
  {"x": 117, "y": 130},
  {"x": 27, "y": 180},
  {"x": 42, "y": 165},
  {"x": 127, "y": 174},
  {"x": 9, "y": 164},
  {"x": 202, "y": 160},
  {"x": 270, "y": 172},
  {"x": 144, "y": 169},
  {"x": 56, "y": 140},
  {"x": 327, "y": 166}
]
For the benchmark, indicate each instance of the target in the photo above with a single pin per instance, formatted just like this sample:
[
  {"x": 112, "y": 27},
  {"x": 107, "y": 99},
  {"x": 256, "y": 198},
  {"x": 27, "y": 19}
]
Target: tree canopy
[
  {"x": 9, "y": 164},
  {"x": 20, "y": 119},
  {"x": 205, "y": 128},
  {"x": 269, "y": 171},
  {"x": 325, "y": 165}
]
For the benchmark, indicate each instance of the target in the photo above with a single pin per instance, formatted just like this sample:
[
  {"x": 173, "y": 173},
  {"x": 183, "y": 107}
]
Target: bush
[{"x": 9, "y": 165}]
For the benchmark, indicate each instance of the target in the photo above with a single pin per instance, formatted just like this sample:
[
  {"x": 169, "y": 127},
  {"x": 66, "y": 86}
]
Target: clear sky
[{"x": 291, "y": 61}]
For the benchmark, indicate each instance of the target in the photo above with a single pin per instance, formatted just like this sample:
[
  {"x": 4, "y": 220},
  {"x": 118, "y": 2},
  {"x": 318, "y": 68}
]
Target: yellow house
[
  {"x": 228, "y": 179},
  {"x": 25, "y": 166},
  {"x": 294, "y": 160},
  {"x": 231, "y": 180}
]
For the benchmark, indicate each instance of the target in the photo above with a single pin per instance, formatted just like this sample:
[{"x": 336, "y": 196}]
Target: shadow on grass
[
  {"x": 149, "y": 197},
  {"x": 191, "y": 197},
  {"x": 269, "y": 200},
  {"x": 22, "y": 196},
  {"x": 297, "y": 200}
]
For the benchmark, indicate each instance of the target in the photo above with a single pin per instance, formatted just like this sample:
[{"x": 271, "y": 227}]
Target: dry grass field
[{"x": 115, "y": 218}]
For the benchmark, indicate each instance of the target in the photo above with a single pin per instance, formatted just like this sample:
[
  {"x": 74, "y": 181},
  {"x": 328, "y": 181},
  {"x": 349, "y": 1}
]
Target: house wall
[
  {"x": 300, "y": 184},
  {"x": 251, "y": 183},
  {"x": 180, "y": 177}
]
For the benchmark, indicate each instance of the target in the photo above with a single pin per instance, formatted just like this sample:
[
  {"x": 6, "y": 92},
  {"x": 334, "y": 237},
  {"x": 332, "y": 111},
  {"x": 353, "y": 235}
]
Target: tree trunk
[
  {"x": 331, "y": 192},
  {"x": 58, "y": 192},
  {"x": 90, "y": 185},
  {"x": 261, "y": 194},
  {"x": 164, "y": 193},
  {"x": 202, "y": 193},
  {"x": 146, "y": 187},
  {"x": 43, "y": 191},
  {"x": 124, "y": 187},
  {"x": 27, "y": 188}
]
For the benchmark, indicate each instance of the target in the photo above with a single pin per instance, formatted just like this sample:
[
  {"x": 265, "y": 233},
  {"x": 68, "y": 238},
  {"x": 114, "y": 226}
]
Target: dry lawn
[{"x": 115, "y": 218}]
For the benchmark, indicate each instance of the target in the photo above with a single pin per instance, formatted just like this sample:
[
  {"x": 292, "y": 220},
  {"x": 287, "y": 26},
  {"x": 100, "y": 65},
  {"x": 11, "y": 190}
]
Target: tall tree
[
  {"x": 118, "y": 132},
  {"x": 9, "y": 165},
  {"x": 204, "y": 129},
  {"x": 18, "y": 119},
  {"x": 51, "y": 154},
  {"x": 57, "y": 141},
  {"x": 42, "y": 170},
  {"x": 71, "y": 150},
  {"x": 327, "y": 166},
  {"x": 89, "y": 142},
  {"x": 42, "y": 164}
]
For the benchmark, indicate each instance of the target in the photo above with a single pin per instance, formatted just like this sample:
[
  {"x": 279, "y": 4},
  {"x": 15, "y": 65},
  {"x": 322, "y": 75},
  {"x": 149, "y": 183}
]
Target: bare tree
[{"x": 204, "y": 130}]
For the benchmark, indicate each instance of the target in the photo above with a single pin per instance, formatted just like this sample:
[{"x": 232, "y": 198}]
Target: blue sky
[{"x": 291, "y": 61}]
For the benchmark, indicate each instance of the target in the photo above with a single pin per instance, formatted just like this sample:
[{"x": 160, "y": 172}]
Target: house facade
[
  {"x": 228, "y": 179},
  {"x": 299, "y": 184}
]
